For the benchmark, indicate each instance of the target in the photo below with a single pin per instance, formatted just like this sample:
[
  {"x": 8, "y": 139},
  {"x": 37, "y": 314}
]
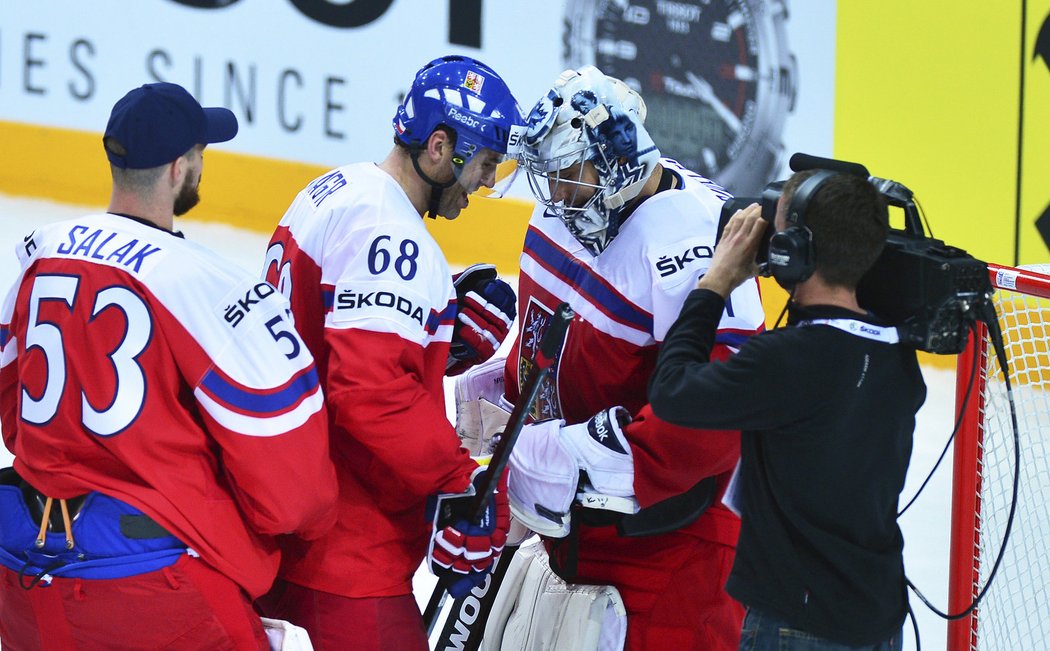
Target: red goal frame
[{"x": 965, "y": 553}]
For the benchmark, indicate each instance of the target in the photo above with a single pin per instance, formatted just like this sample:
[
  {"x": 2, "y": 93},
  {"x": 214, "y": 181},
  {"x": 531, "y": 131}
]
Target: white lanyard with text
[{"x": 859, "y": 328}]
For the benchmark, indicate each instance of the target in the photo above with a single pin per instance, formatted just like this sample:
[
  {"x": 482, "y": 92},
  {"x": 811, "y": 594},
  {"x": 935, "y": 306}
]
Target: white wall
[{"x": 310, "y": 92}]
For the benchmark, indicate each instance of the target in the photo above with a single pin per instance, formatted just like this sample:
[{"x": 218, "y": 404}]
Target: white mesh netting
[{"x": 1015, "y": 613}]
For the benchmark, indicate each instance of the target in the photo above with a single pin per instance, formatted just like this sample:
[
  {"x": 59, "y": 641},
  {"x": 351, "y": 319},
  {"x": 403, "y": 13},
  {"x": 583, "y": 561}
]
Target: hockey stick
[{"x": 466, "y": 622}]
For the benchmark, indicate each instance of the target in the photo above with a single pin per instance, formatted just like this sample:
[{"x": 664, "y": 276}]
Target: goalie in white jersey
[
  {"x": 166, "y": 419},
  {"x": 622, "y": 497},
  {"x": 376, "y": 304}
]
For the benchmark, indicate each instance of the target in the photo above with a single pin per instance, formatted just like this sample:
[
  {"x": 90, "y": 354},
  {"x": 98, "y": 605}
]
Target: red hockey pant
[
  {"x": 188, "y": 605},
  {"x": 336, "y": 623}
]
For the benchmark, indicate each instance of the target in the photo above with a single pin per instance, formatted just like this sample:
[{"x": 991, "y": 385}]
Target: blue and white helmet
[
  {"x": 466, "y": 96},
  {"x": 589, "y": 116}
]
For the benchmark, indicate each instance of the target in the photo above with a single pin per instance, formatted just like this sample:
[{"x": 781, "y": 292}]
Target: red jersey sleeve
[{"x": 386, "y": 396}]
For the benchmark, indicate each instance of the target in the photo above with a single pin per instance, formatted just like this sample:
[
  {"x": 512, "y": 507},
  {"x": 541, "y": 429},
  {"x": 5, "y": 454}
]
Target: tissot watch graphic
[{"x": 716, "y": 76}]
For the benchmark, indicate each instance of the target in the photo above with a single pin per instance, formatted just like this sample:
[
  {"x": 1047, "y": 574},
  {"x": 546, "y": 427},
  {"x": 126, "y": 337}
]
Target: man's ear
[
  {"x": 177, "y": 170},
  {"x": 437, "y": 144}
]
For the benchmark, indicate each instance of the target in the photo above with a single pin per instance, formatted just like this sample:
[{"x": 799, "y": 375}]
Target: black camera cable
[
  {"x": 933, "y": 470},
  {"x": 989, "y": 317},
  {"x": 951, "y": 437}
]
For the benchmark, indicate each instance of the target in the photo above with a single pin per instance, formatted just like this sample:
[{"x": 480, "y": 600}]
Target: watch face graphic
[{"x": 716, "y": 76}]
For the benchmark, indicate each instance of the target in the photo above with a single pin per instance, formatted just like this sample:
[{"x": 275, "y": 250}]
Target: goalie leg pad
[{"x": 535, "y": 609}]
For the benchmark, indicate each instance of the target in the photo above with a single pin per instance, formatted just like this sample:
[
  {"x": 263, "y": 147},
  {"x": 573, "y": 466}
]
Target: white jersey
[
  {"x": 373, "y": 298},
  {"x": 625, "y": 299},
  {"x": 377, "y": 266},
  {"x": 143, "y": 366}
]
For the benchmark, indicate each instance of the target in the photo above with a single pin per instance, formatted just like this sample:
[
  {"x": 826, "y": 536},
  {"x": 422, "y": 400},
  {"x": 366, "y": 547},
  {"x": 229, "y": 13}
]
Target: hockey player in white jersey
[
  {"x": 622, "y": 497},
  {"x": 375, "y": 302},
  {"x": 166, "y": 419}
]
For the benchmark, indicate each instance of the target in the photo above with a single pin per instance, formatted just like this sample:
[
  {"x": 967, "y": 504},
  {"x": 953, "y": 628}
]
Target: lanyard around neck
[{"x": 884, "y": 334}]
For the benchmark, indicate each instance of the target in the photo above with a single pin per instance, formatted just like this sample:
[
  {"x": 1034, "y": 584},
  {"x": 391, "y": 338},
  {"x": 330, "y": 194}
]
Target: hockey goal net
[{"x": 1015, "y": 612}]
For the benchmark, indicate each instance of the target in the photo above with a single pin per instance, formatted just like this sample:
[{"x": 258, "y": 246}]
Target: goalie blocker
[
  {"x": 563, "y": 477},
  {"x": 481, "y": 414}
]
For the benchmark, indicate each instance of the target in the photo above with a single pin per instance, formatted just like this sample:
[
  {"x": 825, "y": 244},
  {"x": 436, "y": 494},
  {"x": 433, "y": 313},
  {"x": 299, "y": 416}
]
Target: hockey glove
[
  {"x": 481, "y": 409},
  {"x": 545, "y": 470},
  {"x": 462, "y": 552},
  {"x": 485, "y": 312}
]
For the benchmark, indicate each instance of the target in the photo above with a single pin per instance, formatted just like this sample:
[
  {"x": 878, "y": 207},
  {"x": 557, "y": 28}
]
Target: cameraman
[{"x": 827, "y": 409}]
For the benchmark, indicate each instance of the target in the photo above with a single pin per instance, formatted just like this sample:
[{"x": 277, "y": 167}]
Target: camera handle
[{"x": 895, "y": 193}]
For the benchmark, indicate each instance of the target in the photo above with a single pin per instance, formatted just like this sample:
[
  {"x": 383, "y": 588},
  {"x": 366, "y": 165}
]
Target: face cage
[
  {"x": 588, "y": 222},
  {"x": 545, "y": 177}
]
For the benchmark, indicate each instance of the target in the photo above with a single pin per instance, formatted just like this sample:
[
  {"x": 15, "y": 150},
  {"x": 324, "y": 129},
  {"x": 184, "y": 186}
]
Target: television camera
[{"x": 932, "y": 292}]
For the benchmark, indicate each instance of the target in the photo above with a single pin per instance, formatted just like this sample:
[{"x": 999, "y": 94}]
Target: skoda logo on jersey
[
  {"x": 235, "y": 313},
  {"x": 670, "y": 265},
  {"x": 348, "y": 299},
  {"x": 465, "y": 119}
]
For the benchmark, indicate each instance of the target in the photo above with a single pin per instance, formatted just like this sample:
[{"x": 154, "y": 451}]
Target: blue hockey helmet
[{"x": 468, "y": 97}]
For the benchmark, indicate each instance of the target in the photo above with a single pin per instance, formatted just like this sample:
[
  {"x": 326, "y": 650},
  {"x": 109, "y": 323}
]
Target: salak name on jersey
[
  {"x": 104, "y": 245},
  {"x": 258, "y": 399}
]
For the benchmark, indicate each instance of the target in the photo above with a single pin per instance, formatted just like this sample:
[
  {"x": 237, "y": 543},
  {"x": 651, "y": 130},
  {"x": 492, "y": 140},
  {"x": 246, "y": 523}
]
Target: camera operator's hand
[{"x": 734, "y": 258}]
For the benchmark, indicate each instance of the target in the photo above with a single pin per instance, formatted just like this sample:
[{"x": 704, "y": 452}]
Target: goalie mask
[{"x": 588, "y": 117}]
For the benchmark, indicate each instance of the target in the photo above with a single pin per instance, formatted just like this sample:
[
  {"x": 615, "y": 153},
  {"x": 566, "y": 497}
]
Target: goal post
[{"x": 1015, "y": 611}]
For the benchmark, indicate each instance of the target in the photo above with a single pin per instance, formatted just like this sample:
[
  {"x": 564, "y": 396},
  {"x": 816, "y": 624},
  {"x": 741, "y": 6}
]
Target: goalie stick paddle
[{"x": 466, "y": 621}]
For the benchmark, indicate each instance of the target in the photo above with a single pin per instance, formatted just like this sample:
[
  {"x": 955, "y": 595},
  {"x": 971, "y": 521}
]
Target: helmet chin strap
[{"x": 436, "y": 187}]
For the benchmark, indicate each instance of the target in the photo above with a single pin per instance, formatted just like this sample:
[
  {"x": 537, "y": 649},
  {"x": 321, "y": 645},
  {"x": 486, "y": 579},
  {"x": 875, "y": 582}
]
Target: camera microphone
[
  {"x": 800, "y": 162},
  {"x": 896, "y": 194}
]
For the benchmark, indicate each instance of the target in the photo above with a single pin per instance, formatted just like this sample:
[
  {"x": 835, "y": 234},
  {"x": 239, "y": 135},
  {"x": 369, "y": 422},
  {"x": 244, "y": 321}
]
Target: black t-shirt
[{"x": 827, "y": 413}]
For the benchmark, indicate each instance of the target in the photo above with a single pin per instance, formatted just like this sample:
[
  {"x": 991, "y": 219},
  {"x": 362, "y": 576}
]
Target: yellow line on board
[
  {"x": 252, "y": 192},
  {"x": 245, "y": 191}
]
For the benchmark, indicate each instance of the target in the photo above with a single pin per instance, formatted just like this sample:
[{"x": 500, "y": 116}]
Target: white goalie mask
[{"x": 588, "y": 117}]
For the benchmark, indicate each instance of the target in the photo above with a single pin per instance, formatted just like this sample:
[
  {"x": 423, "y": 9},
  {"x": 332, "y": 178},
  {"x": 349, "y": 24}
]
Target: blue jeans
[{"x": 763, "y": 632}]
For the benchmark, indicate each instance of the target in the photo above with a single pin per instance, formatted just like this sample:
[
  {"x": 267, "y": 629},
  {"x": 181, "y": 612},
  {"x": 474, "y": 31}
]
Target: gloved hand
[
  {"x": 481, "y": 409},
  {"x": 545, "y": 465},
  {"x": 461, "y": 552},
  {"x": 486, "y": 307}
]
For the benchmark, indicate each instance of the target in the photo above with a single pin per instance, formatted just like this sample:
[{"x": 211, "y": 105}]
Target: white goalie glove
[
  {"x": 481, "y": 410},
  {"x": 545, "y": 471}
]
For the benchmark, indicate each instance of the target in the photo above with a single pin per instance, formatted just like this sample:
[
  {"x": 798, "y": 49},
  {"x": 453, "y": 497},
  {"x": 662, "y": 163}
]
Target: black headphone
[{"x": 791, "y": 258}]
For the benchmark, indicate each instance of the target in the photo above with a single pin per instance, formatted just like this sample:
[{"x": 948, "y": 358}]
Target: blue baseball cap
[{"x": 156, "y": 123}]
